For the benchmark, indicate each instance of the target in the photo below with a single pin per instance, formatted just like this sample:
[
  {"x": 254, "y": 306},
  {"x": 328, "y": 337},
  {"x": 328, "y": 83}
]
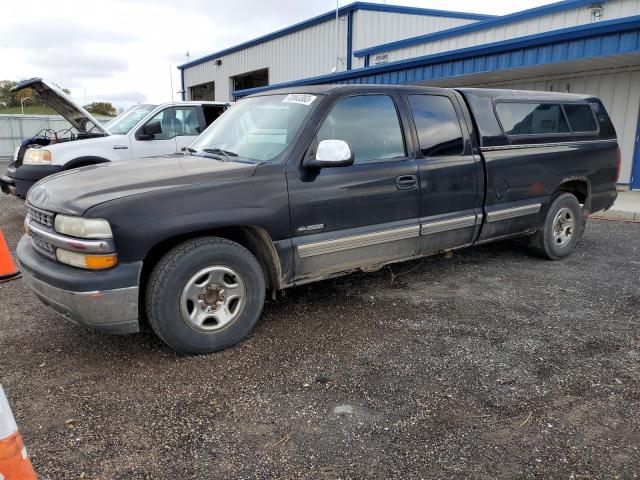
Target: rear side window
[
  {"x": 369, "y": 123},
  {"x": 437, "y": 124},
  {"x": 580, "y": 117},
  {"x": 532, "y": 118}
]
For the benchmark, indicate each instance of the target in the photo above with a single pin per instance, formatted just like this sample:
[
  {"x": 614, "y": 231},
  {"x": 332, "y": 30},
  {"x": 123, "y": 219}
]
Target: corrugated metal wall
[
  {"x": 312, "y": 51},
  {"x": 620, "y": 93},
  {"x": 544, "y": 23},
  {"x": 304, "y": 53},
  {"x": 371, "y": 28}
]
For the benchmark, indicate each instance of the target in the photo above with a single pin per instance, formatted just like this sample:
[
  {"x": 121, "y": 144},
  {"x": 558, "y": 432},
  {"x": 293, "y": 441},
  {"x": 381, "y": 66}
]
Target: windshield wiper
[
  {"x": 218, "y": 151},
  {"x": 212, "y": 151}
]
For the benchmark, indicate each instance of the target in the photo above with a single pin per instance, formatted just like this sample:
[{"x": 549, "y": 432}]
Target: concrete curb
[{"x": 617, "y": 215}]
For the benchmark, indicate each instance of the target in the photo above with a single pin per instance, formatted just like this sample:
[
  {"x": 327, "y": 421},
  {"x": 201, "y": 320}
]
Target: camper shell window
[{"x": 542, "y": 119}]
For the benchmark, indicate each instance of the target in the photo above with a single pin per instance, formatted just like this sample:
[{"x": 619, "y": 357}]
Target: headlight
[
  {"x": 81, "y": 227},
  {"x": 37, "y": 156},
  {"x": 88, "y": 261}
]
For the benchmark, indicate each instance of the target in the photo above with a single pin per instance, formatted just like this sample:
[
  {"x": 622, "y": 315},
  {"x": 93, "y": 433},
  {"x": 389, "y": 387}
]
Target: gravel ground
[{"x": 487, "y": 364}]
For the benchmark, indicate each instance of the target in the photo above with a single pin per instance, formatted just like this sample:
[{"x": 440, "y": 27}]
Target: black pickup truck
[{"x": 298, "y": 185}]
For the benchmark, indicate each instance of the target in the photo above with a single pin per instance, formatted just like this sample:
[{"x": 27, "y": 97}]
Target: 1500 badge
[{"x": 311, "y": 228}]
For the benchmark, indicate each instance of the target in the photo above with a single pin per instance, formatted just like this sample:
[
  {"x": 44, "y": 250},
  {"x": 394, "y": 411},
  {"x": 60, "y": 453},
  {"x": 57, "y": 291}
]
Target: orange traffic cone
[
  {"x": 8, "y": 269},
  {"x": 14, "y": 461}
]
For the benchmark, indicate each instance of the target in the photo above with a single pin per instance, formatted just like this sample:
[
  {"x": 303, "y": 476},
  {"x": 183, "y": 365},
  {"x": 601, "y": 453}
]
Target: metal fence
[{"x": 15, "y": 128}]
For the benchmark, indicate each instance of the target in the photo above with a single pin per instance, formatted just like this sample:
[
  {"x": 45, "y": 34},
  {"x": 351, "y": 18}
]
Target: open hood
[{"x": 77, "y": 116}]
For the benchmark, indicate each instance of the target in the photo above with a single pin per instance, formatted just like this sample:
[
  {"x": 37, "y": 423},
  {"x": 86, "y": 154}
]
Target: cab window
[
  {"x": 369, "y": 123},
  {"x": 177, "y": 122},
  {"x": 437, "y": 124}
]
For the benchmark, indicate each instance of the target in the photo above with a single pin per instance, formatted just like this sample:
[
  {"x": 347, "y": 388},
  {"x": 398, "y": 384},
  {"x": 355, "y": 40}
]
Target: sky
[{"x": 126, "y": 51}]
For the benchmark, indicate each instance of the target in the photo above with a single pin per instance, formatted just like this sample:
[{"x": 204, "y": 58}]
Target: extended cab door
[
  {"x": 166, "y": 132},
  {"x": 361, "y": 215},
  {"x": 450, "y": 173}
]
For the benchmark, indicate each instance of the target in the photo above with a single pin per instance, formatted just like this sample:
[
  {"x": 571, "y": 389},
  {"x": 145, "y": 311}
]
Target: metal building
[{"x": 581, "y": 46}]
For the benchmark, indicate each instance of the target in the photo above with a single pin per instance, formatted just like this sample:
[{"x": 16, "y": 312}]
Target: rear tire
[
  {"x": 205, "y": 295},
  {"x": 563, "y": 225}
]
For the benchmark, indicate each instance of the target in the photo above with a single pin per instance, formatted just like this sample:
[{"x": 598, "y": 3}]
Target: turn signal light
[
  {"x": 98, "y": 262},
  {"x": 91, "y": 262}
]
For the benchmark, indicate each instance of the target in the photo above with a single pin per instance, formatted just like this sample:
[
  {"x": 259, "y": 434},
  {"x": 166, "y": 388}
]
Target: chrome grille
[
  {"x": 43, "y": 246},
  {"x": 41, "y": 217}
]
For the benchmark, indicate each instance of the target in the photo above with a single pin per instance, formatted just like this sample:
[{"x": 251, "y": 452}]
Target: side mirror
[
  {"x": 149, "y": 131},
  {"x": 332, "y": 153}
]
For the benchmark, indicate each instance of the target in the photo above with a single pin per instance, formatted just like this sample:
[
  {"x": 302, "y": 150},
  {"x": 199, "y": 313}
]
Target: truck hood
[
  {"x": 74, "y": 191},
  {"x": 77, "y": 116}
]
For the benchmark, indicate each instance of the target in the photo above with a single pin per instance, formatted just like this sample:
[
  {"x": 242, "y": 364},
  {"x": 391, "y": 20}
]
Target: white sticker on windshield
[{"x": 301, "y": 98}]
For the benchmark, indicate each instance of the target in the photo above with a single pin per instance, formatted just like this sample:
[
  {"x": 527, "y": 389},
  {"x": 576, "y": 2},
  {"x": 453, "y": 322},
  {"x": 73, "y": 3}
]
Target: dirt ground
[{"x": 489, "y": 364}]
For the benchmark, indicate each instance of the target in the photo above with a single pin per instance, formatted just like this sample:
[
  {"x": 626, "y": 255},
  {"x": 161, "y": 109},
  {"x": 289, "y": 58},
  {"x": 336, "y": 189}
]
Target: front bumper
[
  {"x": 106, "y": 301},
  {"x": 18, "y": 180},
  {"x": 8, "y": 185}
]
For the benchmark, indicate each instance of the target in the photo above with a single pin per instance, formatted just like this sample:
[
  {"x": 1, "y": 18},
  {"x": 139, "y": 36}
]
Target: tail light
[{"x": 618, "y": 163}]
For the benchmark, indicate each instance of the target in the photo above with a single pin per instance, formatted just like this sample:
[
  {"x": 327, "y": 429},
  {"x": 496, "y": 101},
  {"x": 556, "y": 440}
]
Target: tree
[
  {"x": 7, "y": 99},
  {"x": 101, "y": 108}
]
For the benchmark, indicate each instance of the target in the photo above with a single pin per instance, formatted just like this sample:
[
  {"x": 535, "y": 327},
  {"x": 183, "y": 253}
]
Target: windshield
[
  {"x": 128, "y": 119},
  {"x": 257, "y": 128}
]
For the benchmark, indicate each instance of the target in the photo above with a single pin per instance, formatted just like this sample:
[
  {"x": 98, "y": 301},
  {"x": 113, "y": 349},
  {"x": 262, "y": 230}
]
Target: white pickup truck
[{"x": 144, "y": 130}]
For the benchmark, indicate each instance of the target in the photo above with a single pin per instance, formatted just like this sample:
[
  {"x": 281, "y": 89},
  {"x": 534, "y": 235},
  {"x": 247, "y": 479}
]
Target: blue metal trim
[
  {"x": 635, "y": 168},
  {"x": 472, "y": 27},
  {"x": 349, "y": 39},
  {"x": 366, "y": 60},
  {"x": 182, "y": 84},
  {"x": 330, "y": 15},
  {"x": 584, "y": 41},
  {"x": 377, "y": 7}
]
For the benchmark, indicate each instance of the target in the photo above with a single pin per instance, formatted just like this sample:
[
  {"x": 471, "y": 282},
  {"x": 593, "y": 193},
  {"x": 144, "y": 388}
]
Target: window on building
[
  {"x": 204, "y": 91},
  {"x": 437, "y": 123},
  {"x": 580, "y": 117},
  {"x": 212, "y": 112},
  {"x": 176, "y": 122},
  {"x": 369, "y": 123},
  {"x": 257, "y": 78},
  {"x": 532, "y": 118}
]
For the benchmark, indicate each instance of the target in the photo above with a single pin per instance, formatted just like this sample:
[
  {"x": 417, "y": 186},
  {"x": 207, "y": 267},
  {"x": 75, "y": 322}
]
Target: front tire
[
  {"x": 563, "y": 226},
  {"x": 205, "y": 295}
]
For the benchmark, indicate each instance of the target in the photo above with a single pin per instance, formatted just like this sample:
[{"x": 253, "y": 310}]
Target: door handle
[{"x": 406, "y": 182}]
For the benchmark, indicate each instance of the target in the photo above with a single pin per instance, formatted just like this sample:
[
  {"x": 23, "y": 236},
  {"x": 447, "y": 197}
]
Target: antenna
[{"x": 173, "y": 108}]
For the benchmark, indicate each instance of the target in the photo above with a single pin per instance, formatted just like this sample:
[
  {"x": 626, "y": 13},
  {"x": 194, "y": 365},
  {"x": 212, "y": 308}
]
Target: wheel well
[
  {"x": 580, "y": 189},
  {"x": 254, "y": 239},
  {"x": 84, "y": 162}
]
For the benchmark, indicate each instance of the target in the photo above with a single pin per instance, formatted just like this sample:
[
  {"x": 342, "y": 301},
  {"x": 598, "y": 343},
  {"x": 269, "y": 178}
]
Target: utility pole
[{"x": 22, "y": 100}]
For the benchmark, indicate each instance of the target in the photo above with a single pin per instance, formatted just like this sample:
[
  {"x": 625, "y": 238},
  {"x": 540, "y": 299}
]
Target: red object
[
  {"x": 536, "y": 188},
  {"x": 8, "y": 269}
]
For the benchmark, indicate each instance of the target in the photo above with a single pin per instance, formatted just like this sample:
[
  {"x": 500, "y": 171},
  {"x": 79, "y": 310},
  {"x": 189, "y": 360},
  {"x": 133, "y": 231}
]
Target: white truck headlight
[
  {"x": 81, "y": 227},
  {"x": 37, "y": 156}
]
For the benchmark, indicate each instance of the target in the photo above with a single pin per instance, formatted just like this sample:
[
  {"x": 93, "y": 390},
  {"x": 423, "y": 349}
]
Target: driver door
[
  {"x": 361, "y": 215},
  {"x": 178, "y": 127}
]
